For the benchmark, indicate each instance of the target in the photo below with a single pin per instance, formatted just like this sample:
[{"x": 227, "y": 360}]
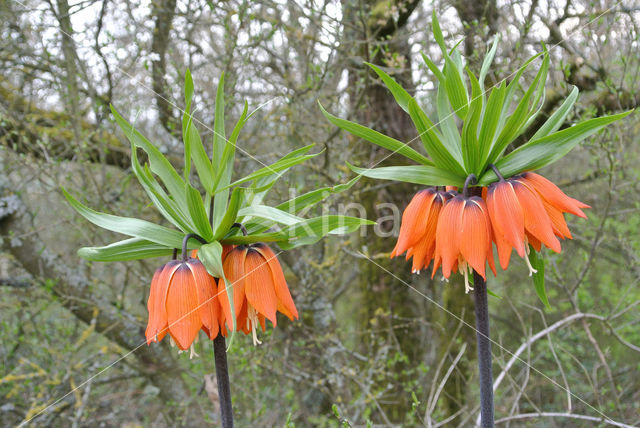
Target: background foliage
[{"x": 370, "y": 346}]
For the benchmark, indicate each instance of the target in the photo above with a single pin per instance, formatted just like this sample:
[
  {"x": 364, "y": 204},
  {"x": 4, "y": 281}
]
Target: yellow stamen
[
  {"x": 252, "y": 323},
  {"x": 465, "y": 269},
  {"x": 192, "y": 351},
  {"x": 526, "y": 257}
]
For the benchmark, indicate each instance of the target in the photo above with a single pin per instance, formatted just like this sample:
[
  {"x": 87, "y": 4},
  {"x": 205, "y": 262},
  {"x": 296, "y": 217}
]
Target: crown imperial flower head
[
  {"x": 182, "y": 301},
  {"x": 259, "y": 289},
  {"x": 463, "y": 238}
]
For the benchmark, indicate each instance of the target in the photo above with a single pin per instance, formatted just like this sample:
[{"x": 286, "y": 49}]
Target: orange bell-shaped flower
[
  {"x": 182, "y": 300},
  {"x": 418, "y": 228},
  {"x": 463, "y": 238},
  {"x": 259, "y": 289},
  {"x": 528, "y": 209}
]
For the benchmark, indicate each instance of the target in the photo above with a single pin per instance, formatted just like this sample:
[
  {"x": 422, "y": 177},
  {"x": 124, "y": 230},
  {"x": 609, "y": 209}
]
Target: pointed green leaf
[
  {"x": 488, "y": 59},
  {"x": 490, "y": 121},
  {"x": 312, "y": 230},
  {"x": 456, "y": 91},
  {"x": 165, "y": 205},
  {"x": 402, "y": 97},
  {"x": 271, "y": 214},
  {"x": 419, "y": 174},
  {"x": 537, "y": 262},
  {"x": 197, "y": 152},
  {"x": 223, "y": 177},
  {"x": 546, "y": 150},
  {"x": 128, "y": 226},
  {"x": 517, "y": 121},
  {"x": 447, "y": 121},
  {"x": 557, "y": 118},
  {"x": 237, "y": 197},
  {"x": 301, "y": 202},
  {"x": 219, "y": 138},
  {"x": 274, "y": 168},
  {"x": 376, "y": 138},
  {"x": 128, "y": 249},
  {"x": 432, "y": 144},
  {"x": 434, "y": 68},
  {"x": 470, "y": 148},
  {"x": 211, "y": 257},
  {"x": 158, "y": 163},
  {"x": 198, "y": 213}
]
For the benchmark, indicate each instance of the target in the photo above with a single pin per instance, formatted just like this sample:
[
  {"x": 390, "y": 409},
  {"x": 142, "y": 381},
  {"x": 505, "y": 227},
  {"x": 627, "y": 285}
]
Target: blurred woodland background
[{"x": 369, "y": 347}]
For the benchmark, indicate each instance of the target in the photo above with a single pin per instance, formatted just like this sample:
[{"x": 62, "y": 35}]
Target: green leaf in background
[
  {"x": 544, "y": 151},
  {"x": 537, "y": 262},
  {"x": 418, "y": 174},
  {"x": 198, "y": 213},
  {"x": 128, "y": 226},
  {"x": 377, "y": 138},
  {"x": 211, "y": 257},
  {"x": 128, "y": 249},
  {"x": 430, "y": 140}
]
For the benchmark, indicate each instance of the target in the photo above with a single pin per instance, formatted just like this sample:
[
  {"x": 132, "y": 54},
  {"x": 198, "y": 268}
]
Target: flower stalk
[
  {"x": 222, "y": 377},
  {"x": 484, "y": 350},
  {"x": 222, "y": 367}
]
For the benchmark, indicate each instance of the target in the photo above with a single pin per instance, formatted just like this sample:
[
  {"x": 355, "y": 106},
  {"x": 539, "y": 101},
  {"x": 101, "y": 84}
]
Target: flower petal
[
  {"x": 448, "y": 234},
  {"x": 259, "y": 285},
  {"x": 183, "y": 315},
  {"x": 157, "y": 326},
  {"x": 536, "y": 220},
  {"x": 552, "y": 193},
  {"x": 233, "y": 267},
  {"x": 285, "y": 301},
  {"x": 506, "y": 214},
  {"x": 475, "y": 234},
  {"x": 207, "y": 290},
  {"x": 414, "y": 220}
]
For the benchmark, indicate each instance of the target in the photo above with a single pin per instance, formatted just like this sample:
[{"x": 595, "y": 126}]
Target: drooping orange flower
[
  {"x": 418, "y": 228},
  {"x": 259, "y": 289},
  {"x": 528, "y": 209},
  {"x": 182, "y": 300},
  {"x": 463, "y": 238},
  {"x": 555, "y": 202}
]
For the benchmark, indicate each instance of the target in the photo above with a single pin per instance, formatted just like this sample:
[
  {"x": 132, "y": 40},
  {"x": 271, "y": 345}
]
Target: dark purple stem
[{"x": 484, "y": 350}]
